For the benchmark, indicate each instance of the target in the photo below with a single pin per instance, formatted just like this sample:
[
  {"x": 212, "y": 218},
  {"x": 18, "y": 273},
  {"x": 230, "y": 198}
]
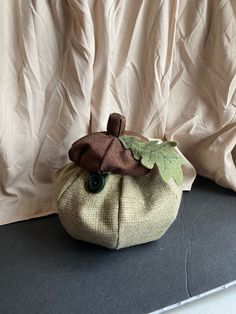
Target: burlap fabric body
[{"x": 129, "y": 210}]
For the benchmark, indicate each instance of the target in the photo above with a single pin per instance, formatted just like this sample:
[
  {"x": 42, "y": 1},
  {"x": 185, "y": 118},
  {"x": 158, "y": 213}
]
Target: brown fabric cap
[{"x": 103, "y": 151}]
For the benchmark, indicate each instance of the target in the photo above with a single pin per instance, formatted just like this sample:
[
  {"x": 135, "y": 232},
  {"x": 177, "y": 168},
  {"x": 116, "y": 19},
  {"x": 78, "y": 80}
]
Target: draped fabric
[{"x": 65, "y": 65}]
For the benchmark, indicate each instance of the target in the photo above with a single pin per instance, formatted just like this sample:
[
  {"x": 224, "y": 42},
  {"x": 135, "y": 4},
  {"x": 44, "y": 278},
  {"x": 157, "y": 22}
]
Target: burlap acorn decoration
[{"x": 120, "y": 189}]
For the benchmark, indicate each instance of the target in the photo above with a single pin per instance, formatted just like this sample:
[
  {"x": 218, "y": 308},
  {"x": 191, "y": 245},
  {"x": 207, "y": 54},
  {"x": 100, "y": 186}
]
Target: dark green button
[{"x": 96, "y": 182}]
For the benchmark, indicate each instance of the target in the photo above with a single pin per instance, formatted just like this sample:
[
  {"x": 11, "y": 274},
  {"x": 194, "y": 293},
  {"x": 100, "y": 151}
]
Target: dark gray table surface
[{"x": 43, "y": 270}]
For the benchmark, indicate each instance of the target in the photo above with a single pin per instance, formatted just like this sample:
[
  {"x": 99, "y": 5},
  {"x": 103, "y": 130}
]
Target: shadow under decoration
[{"x": 120, "y": 189}]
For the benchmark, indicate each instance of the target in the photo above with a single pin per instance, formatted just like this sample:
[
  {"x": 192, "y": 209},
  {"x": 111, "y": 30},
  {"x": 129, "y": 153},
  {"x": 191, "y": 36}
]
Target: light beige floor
[{"x": 222, "y": 302}]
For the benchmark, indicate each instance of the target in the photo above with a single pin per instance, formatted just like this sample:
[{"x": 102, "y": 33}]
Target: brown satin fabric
[{"x": 103, "y": 151}]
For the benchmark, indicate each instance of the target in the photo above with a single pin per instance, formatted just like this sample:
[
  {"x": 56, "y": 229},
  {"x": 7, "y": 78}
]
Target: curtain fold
[{"x": 65, "y": 65}]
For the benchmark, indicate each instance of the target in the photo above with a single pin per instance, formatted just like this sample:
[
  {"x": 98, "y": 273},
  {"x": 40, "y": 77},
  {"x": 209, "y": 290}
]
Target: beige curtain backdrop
[{"x": 65, "y": 65}]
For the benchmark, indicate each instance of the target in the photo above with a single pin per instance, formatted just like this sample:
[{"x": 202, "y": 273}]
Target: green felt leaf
[{"x": 151, "y": 153}]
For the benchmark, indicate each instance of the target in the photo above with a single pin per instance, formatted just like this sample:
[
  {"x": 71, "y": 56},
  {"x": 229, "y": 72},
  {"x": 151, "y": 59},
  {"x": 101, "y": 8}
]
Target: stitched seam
[
  {"x": 119, "y": 211},
  {"x": 62, "y": 194},
  {"x": 108, "y": 147}
]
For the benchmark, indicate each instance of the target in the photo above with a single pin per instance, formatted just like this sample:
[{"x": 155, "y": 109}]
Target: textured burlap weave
[{"x": 128, "y": 211}]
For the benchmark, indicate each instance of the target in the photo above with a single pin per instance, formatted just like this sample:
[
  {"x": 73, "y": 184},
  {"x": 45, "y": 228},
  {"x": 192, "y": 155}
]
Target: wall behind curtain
[{"x": 168, "y": 66}]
